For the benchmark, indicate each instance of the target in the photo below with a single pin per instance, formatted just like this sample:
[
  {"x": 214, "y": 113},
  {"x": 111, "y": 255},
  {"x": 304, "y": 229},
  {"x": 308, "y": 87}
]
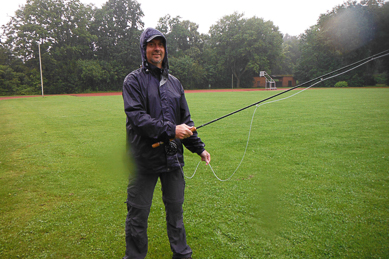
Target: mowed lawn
[{"x": 314, "y": 182}]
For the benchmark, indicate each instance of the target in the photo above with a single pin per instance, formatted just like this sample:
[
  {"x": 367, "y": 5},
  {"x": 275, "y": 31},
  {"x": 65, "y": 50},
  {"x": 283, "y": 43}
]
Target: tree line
[{"x": 85, "y": 48}]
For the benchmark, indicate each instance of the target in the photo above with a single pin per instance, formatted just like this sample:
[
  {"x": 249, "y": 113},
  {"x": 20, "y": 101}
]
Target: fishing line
[
  {"x": 360, "y": 63},
  {"x": 263, "y": 102}
]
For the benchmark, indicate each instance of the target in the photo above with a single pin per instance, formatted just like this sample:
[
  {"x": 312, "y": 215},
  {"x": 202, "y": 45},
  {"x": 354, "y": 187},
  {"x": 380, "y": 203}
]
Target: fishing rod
[{"x": 321, "y": 78}]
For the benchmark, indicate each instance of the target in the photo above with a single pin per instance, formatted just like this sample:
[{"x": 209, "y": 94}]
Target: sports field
[{"x": 314, "y": 182}]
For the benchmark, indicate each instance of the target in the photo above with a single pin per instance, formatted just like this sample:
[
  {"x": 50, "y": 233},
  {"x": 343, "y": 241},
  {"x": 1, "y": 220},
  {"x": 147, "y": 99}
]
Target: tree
[
  {"x": 188, "y": 71},
  {"x": 117, "y": 26},
  {"x": 75, "y": 39},
  {"x": 348, "y": 33},
  {"x": 381, "y": 40},
  {"x": 182, "y": 36},
  {"x": 185, "y": 46},
  {"x": 316, "y": 58},
  {"x": 52, "y": 23},
  {"x": 290, "y": 55},
  {"x": 242, "y": 45},
  {"x": 62, "y": 29},
  {"x": 15, "y": 76}
]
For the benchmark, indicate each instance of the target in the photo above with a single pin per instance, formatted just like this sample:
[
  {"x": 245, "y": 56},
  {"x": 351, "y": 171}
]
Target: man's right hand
[{"x": 183, "y": 131}]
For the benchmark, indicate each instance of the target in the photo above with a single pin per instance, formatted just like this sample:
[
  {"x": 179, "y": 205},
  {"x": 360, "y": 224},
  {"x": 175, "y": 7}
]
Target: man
[{"x": 157, "y": 111}]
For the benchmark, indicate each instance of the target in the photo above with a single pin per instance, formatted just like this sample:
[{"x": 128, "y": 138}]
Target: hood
[{"x": 145, "y": 37}]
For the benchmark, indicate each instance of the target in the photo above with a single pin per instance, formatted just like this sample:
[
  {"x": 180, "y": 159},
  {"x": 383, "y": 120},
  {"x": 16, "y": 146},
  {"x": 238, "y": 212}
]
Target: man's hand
[
  {"x": 183, "y": 131},
  {"x": 205, "y": 156}
]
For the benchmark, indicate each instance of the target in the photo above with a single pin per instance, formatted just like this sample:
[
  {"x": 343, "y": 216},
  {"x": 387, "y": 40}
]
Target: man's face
[{"x": 155, "y": 52}]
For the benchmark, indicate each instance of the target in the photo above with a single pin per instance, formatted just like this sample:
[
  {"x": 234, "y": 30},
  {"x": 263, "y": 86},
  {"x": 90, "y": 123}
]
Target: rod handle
[{"x": 155, "y": 145}]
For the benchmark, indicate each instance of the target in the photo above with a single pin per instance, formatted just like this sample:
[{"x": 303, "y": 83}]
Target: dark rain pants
[{"x": 140, "y": 194}]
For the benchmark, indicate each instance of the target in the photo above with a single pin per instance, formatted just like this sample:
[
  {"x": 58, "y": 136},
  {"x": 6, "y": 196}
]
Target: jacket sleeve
[
  {"x": 135, "y": 107},
  {"x": 193, "y": 143}
]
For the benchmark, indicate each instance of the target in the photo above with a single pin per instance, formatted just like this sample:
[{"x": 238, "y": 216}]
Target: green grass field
[{"x": 313, "y": 184}]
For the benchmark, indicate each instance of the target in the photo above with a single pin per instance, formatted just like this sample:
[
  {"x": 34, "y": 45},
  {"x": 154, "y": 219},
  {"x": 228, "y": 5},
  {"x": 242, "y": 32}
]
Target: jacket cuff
[
  {"x": 171, "y": 130},
  {"x": 199, "y": 151}
]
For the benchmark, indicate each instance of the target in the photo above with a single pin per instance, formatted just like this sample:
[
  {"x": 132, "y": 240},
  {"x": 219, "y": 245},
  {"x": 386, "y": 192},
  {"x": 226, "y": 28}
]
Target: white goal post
[{"x": 270, "y": 83}]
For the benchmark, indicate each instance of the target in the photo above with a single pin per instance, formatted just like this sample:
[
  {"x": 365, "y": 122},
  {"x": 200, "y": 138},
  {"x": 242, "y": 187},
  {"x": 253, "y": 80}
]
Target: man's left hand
[{"x": 205, "y": 156}]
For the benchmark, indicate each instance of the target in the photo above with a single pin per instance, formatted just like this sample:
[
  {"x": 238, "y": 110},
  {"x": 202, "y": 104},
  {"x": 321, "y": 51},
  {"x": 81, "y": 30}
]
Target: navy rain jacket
[{"x": 154, "y": 103}]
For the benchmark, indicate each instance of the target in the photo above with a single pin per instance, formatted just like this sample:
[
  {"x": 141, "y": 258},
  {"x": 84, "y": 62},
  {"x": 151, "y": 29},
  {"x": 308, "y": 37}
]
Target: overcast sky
[{"x": 291, "y": 16}]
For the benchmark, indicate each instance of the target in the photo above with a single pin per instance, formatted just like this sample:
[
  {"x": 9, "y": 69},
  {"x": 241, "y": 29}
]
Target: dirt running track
[{"x": 120, "y": 93}]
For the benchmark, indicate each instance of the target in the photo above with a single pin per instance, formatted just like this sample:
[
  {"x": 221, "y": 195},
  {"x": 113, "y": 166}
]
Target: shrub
[
  {"x": 341, "y": 84},
  {"x": 381, "y": 78}
]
